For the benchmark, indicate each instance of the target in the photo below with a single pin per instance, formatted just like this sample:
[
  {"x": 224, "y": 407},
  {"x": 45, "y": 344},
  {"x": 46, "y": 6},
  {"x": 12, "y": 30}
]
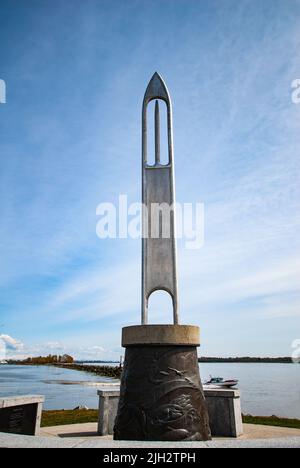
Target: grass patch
[
  {"x": 62, "y": 417},
  {"x": 272, "y": 421}
]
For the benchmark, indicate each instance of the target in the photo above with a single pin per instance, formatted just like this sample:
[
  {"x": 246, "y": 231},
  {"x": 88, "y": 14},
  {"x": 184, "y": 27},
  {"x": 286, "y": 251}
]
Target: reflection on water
[{"x": 266, "y": 389}]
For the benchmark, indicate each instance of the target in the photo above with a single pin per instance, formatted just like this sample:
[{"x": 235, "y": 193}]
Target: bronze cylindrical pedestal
[{"x": 161, "y": 392}]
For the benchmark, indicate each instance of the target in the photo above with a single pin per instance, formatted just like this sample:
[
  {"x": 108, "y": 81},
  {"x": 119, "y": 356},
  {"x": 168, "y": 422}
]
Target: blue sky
[{"x": 70, "y": 136}]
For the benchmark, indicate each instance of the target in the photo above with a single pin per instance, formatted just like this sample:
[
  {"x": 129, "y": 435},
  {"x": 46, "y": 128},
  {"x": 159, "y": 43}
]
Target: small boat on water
[
  {"x": 2, "y": 363},
  {"x": 220, "y": 382}
]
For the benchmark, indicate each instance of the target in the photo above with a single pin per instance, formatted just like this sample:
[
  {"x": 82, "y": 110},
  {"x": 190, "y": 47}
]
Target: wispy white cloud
[{"x": 11, "y": 343}]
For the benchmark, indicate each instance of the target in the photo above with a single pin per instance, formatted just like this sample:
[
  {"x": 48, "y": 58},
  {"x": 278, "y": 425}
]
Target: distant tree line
[
  {"x": 50, "y": 359},
  {"x": 280, "y": 360}
]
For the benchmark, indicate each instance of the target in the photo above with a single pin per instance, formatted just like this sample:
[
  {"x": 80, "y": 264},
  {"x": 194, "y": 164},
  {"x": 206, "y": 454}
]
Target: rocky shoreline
[{"x": 106, "y": 371}]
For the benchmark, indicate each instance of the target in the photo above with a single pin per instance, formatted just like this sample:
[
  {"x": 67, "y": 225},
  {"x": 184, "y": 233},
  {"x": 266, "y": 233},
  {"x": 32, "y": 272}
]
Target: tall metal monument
[
  {"x": 161, "y": 394},
  {"x": 159, "y": 268}
]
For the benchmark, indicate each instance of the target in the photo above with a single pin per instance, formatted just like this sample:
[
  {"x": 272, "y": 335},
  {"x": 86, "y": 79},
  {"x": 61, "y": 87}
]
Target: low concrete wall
[
  {"x": 108, "y": 407},
  {"x": 224, "y": 408},
  {"x": 225, "y": 414},
  {"x": 21, "y": 414}
]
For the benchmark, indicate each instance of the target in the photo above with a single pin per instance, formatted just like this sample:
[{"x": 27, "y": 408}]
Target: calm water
[
  {"x": 266, "y": 389},
  {"x": 63, "y": 388}
]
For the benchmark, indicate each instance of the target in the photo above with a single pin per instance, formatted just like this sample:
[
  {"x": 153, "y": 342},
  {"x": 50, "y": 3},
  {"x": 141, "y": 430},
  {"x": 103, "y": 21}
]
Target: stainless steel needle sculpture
[
  {"x": 161, "y": 396},
  {"x": 159, "y": 266}
]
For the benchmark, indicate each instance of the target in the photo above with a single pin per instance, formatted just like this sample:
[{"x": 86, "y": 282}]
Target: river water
[{"x": 266, "y": 389}]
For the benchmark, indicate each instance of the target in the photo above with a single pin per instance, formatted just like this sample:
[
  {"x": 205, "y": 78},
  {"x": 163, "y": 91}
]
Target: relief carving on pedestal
[{"x": 161, "y": 396}]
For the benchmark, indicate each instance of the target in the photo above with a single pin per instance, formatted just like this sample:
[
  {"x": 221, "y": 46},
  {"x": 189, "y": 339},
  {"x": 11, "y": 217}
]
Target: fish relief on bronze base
[{"x": 161, "y": 395}]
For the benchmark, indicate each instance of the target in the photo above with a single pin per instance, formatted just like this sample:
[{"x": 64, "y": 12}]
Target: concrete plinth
[
  {"x": 224, "y": 411},
  {"x": 108, "y": 407},
  {"x": 21, "y": 414},
  {"x": 225, "y": 414},
  {"x": 161, "y": 396},
  {"x": 163, "y": 335}
]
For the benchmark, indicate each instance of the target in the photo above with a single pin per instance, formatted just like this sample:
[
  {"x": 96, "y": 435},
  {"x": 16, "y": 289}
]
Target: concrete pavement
[
  {"x": 85, "y": 436},
  {"x": 89, "y": 430}
]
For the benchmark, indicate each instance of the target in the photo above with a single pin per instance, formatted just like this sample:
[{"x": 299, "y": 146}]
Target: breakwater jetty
[{"x": 106, "y": 371}]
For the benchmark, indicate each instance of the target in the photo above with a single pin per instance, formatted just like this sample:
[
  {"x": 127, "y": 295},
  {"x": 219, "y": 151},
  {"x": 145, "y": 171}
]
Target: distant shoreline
[
  {"x": 246, "y": 360},
  {"x": 103, "y": 370}
]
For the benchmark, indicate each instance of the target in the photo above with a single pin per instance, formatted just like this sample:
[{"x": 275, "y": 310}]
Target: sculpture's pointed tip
[
  {"x": 156, "y": 75},
  {"x": 157, "y": 88}
]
